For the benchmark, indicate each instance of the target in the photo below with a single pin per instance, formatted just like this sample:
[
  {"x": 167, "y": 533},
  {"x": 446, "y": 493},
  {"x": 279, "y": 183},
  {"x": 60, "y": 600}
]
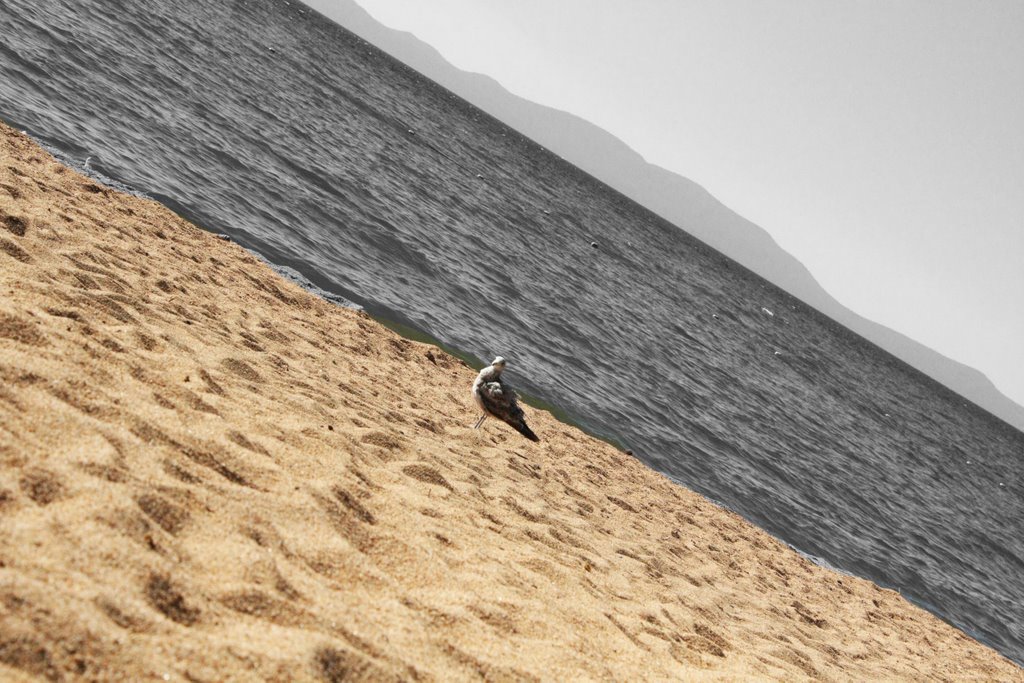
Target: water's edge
[{"x": 396, "y": 322}]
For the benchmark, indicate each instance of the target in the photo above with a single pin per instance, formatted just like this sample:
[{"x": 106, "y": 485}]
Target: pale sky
[{"x": 879, "y": 142}]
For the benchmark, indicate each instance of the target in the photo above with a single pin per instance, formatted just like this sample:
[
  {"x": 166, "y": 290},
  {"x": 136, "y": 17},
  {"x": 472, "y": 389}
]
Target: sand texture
[{"x": 208, "y": 474}]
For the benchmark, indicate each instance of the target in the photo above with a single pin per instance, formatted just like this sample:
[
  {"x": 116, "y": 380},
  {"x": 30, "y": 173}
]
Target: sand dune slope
[{"x": 208, "y": 474}]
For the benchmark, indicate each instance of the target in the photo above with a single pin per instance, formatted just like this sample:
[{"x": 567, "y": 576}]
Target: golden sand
[{"x": 209, "y": 474}]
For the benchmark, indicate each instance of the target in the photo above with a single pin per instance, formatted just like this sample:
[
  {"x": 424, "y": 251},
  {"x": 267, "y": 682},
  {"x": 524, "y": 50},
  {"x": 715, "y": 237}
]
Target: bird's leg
[{"x": 480, "y": 421}]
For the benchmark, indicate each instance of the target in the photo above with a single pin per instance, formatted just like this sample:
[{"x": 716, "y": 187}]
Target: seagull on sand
[{"x": 499, "y": 399}]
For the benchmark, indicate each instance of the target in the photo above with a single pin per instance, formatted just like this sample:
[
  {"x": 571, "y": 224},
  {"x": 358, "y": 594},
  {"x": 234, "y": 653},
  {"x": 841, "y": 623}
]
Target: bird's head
[{"x": 498, "y": 363}]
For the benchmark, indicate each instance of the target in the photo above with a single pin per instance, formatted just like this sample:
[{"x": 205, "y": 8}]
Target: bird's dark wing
[{"x": 499, "y": 399}]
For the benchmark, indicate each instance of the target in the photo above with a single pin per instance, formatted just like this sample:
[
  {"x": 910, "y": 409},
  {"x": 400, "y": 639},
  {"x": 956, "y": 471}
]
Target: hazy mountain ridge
[{"x": 673, "y": 197}]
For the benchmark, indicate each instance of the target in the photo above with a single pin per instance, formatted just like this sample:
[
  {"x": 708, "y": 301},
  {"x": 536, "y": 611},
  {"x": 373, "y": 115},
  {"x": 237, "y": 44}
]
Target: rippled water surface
[{"x": 326, "y": 156}]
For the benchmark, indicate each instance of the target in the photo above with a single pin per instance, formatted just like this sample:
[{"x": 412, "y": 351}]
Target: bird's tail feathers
[{"x": 523, "y": 429}]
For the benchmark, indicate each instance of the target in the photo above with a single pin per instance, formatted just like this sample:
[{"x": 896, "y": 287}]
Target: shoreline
[
  {"x": 224, "y": 476},
  {"x": 379, "y": 313}
]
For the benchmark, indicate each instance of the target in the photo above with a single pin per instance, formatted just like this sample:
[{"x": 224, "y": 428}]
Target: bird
[{"x": 499, "y": 400}]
